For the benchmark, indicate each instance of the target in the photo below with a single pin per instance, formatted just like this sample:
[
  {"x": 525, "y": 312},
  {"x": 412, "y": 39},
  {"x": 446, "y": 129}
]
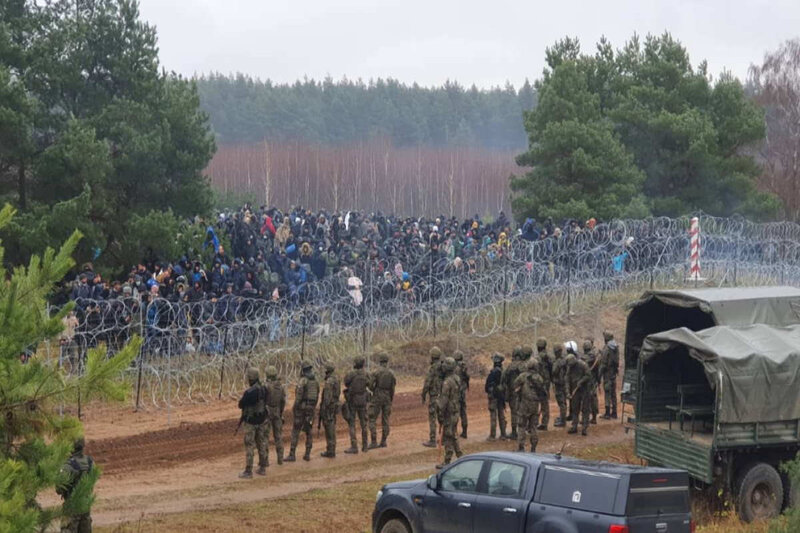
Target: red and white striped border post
[{"x": 694, "y": 249}]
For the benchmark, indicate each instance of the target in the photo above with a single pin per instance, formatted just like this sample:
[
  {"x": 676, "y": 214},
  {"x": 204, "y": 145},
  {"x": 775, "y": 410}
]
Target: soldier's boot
[
  {"x": 307, "y": 456},
  {"x": 541, "y": 427},
  {"x": 583, "y": 432},
  {"x": 247, "y": 474},
  {"x": 607, "y": 414},
  {"x": 464, "y": 432},
  {"x": 614, "y": 412},
  {"x": 352, "y": 449},
  {"x": 290, "y": 458},
  {"x": 559, "y": 423},
  {"x": 280, "y": 455},
  {"x": 572, "y": 430},
  {"x": 384, "y": 436},
  {"x": 594, "y": 419},
  {"x": 262, "y": 470},
  {"x": 444, "y": 463},
  {"x": 430, "y": 444},
  {"x": 520, "y": 447},
  {"x": 533, "y": 448},
  {"x": 328, "y": 454}
]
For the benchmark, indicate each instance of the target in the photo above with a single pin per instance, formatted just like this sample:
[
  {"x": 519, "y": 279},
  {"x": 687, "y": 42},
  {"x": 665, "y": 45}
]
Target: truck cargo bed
[{"x": 674, "y": 448}]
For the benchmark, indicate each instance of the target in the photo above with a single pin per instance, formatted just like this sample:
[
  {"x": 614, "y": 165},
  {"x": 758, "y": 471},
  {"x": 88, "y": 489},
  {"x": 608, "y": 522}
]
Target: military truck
[
  {"x": 723, "y": 403},
  {"x": 698, "y": 309}
]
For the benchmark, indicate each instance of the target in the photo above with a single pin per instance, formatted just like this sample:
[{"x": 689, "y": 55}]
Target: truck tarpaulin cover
[{"x": 759, "y": 365}]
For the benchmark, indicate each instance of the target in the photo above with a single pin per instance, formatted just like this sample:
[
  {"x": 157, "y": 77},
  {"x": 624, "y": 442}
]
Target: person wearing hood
[{"x": 282, "y": 234}]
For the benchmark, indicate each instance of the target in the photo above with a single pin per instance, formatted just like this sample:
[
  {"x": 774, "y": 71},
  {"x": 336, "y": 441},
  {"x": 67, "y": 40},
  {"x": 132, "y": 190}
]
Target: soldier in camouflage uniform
[
  {"x": 355, "y": 395},
  {"x": 609, "y": 368},
  {"x": 448, "y": 410},
  {"x": 509, "y": 375},
  {"x": 431, "y": 390},
  {"x": 276, "y": 404},
  {"x": 559, "y": 376},
  {"x": 590, "y": 357},
  {"x": 529, "y": 390},
  {"x": 328, "y": 407},
  {"x": 463, "y": 375},
  {"x": 546, "y": 373},
  {"x": 306, "y": 394},
  {"x": 254, "y": 415},
  {"x": 73, "y": 470},
  {"x": 579, "y": 382},
  {"x": 494, "y": 393},
  {"x": 381, "y": 384}
]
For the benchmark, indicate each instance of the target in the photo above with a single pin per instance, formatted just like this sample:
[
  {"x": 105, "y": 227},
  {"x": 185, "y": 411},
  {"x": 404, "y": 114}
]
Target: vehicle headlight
[{"x": 378, "y": 496}]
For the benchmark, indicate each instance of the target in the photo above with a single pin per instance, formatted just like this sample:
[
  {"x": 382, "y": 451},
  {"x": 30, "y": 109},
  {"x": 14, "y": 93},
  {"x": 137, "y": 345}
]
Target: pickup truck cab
[{"x": 536, "y": 493}]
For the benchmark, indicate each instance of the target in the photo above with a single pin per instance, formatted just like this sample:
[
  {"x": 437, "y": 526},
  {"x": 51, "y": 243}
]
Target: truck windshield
[{"x": 658, "y": 501}]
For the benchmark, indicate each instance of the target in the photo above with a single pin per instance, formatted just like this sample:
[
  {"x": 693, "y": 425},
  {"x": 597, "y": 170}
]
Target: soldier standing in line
[
  {"x": 276, "y": 404},
  {"x": 579, "y": 382},
  {"x": 559, "y": 379},
  {"x": 431, "y": 390},
  {"x": 463, "y": 375},
  {"x": 609, "y": 368},
  {"x": 355, "y": 394},
  {"x": 328, "y": 406},
  {"x": 497, "y": 404},
  {"x": 449, "y": 401},
  {"x": 305, "y": 402},
  {"x": 546, "y": 372},
  {"x": 509, "y": 375},
  {"x": 254, "y": 415},
  {"x": 382, "y": 384},
  {"x": 590, "y": 357},
  {"x": 529, "y": 390},
  {"x": 77, "y": 466}
]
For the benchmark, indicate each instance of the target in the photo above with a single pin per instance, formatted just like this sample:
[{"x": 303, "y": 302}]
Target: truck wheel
[
  {"x": 791, "y": 493},
  {"x": 759, "y": 493},
  {"x": 395, "y": 525}
]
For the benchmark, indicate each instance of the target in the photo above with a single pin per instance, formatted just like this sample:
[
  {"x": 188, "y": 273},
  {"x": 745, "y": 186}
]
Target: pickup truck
[{"x": 536, "y": 493}]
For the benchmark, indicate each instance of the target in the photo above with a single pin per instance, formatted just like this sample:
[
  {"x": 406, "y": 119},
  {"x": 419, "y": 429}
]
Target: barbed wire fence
[{"x": 198, "y": 352}]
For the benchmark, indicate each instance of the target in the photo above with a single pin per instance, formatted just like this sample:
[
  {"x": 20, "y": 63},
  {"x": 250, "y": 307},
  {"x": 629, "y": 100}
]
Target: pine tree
[{"x": 34, "y": 440}]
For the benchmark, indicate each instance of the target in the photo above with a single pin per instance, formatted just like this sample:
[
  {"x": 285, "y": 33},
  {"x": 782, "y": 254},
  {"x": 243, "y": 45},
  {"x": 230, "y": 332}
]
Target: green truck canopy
[{"x": 758, "y": 367}]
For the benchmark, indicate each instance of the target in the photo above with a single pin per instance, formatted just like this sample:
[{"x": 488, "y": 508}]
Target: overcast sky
[{"x": 486, "y": 42}]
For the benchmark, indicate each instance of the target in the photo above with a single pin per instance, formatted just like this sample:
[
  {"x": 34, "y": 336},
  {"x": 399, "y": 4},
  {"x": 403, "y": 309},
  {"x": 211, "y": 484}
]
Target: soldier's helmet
[
  {"x": 272, "y": 372},
  {"x": 329, "y": 367},
  {"x": 607, "y": 335},
  {"x": 526, "y": 353},
  {"x": 458, "y": 355},
  {"x": 571, "y": 359},
  {"x": 252, "y": 374},
  {"x": 497, "y": 358},
  {"x": 383, "y": 357},
  {"x": 541, "y": 343},
  {"x": 306, "y": 365},
  {"x": 533, "y": 365},
  {"x": 516, "y": 353},
  {"x": 449, "y": 364},
  {"x": 571, "y": 347},
  {"x": 558, "y": 349},
  {"x": 358, "y": 362},
  {"x": 435, "y": 353},
  {"x": 79, "y": 444},
  {"x": 587, "y": 345}
]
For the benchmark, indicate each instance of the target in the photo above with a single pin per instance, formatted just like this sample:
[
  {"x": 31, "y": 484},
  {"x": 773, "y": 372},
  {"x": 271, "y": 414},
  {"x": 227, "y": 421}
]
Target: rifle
[
  {"x": 241, "y": 419},
  {"x": 319, "y": 422}
]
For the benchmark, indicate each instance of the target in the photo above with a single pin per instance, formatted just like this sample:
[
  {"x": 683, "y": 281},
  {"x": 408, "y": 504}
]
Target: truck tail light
[
  {"x": 692, "y": 526},
  {"x": 617, "y": 529}
]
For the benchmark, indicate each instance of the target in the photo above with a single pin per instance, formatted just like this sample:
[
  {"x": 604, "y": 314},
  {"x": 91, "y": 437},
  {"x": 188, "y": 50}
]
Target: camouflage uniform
[
  {"x": 254, "y": 415},
  {"x": 529, "y": 390},
  {"x": 579, "y": 382},
  {"x": 609, "y": 368},
  {"x": 509, "y": 375},
  {"x": 431, "y": 390},
  {"x": 494, "y": 393},
  {"x": 276, "y": 404},
  {"x": 590, "y": 357},
  {"x": 355, "y": 395},
  {"x": 463, "y": 375},
  {"x": 328, "y": 406},
  {"x": 546, "y": 373},
  {"x": 449, "y": 401},
  {"x": 559, "y": 379},
  {"x": 74, "y": 469},
  {"x": 305, "y": 403},
  {"x": 382, "y": 384}
]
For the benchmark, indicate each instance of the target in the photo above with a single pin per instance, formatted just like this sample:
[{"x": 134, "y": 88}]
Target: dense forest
[{"x": 244, "y": 110}]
